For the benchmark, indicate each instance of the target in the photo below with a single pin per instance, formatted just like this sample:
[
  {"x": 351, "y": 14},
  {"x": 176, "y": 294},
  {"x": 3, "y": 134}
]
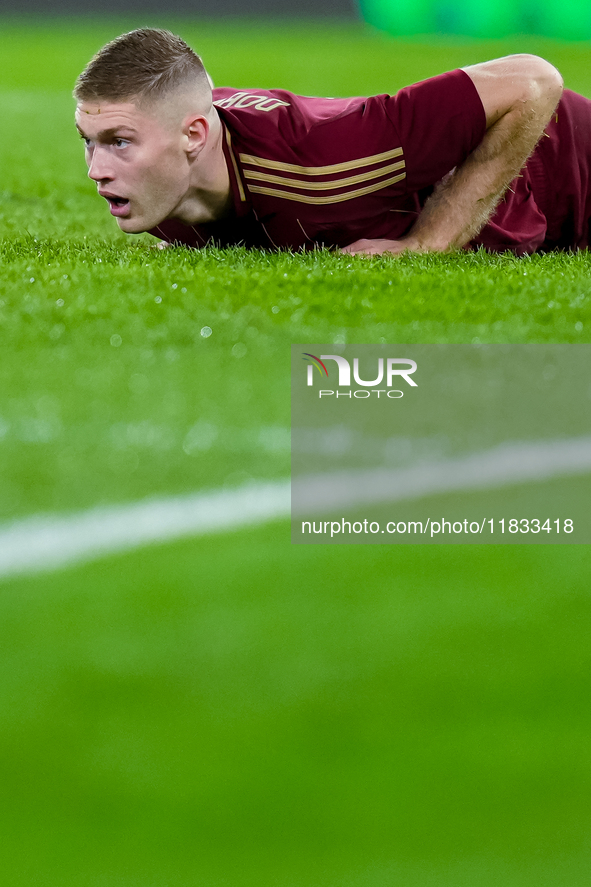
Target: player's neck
[{"x": 209, "y": 196}]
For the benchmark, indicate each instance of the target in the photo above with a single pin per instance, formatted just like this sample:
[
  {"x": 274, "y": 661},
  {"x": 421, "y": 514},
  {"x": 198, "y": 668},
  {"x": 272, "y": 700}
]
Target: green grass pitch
[{"x": 236, "y": 711}]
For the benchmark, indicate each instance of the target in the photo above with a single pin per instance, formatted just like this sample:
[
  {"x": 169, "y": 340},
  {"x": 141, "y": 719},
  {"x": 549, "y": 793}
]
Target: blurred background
[
  {"x": 474, "y": 18},
  {"x": 234, "y": 710}
]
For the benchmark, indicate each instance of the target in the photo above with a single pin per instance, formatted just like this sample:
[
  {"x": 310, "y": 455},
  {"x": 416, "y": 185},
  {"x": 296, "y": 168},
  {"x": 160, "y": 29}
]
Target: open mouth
[{"x": 119, "y": 206}]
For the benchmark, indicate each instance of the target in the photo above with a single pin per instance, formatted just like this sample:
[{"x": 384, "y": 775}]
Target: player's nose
[{"x": 99, "y": 168}]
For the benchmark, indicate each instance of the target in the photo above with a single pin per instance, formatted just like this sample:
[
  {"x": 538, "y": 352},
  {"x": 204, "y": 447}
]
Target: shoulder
[
  {"x": 440, "y": 95},
  {"x": 294, "y": 115}
]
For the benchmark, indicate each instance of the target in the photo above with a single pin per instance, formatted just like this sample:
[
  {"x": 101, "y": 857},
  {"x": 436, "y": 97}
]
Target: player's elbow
[
  {"x": 518, "y": 85},
  {"x": 542, "y": 83}
]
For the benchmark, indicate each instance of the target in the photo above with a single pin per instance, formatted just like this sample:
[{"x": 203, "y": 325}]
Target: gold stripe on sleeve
[
  {"x": 322, "y": 186},
  {"x": 320, "y": 170},
  {"x": 337, "y": 198}
]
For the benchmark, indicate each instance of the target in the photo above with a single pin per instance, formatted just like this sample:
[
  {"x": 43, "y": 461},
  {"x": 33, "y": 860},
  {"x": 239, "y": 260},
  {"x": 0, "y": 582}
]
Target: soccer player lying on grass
[{"x": 488, "y": 155}]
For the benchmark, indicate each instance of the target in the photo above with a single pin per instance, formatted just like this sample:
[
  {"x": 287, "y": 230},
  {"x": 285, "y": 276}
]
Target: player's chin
[
  {"x": 138, "y": 220},
  {"x": 132, "y": 225}
]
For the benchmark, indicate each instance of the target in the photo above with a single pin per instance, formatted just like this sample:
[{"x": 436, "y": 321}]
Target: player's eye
[{"x": 120, "y": 143}]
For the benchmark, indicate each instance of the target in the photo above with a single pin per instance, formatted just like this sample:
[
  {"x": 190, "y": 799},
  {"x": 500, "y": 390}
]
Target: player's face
[{"x": 137, "y": 159}]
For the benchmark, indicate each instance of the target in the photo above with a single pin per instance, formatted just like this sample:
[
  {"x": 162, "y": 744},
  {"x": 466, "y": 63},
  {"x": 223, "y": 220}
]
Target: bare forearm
[
  {"x": 462, "y": 204},
  {"x": 519, "y": 94}
]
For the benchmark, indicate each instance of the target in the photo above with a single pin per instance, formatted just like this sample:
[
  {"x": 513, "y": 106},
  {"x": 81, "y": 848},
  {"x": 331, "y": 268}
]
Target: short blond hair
[{"x": 147, "y": 63}]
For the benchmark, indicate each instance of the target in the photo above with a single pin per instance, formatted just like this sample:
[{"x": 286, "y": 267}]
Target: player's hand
[{"x": 376, "y": 247}]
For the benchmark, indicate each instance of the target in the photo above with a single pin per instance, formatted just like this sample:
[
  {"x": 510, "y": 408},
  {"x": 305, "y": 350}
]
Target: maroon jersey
[{"x": 307, "y": 172}]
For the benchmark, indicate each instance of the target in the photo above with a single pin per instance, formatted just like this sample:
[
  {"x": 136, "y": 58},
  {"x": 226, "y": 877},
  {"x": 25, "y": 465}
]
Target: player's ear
[{"x": 195, "y": 130}]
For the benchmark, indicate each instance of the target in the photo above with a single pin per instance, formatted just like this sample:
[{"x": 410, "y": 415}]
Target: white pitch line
[{"x": 47, "y": 542}]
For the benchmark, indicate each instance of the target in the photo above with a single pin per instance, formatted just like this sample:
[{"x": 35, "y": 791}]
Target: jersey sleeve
[{"x": 438, "y": 123}]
